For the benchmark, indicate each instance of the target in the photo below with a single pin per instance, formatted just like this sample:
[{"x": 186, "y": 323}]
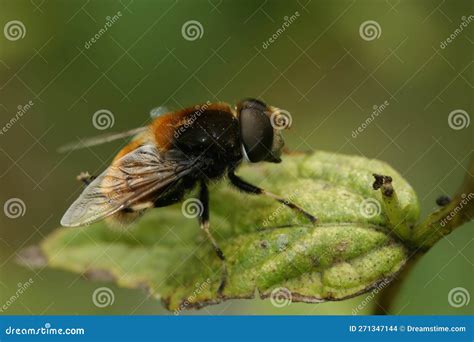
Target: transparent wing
[{"x": 136, "y": 175}]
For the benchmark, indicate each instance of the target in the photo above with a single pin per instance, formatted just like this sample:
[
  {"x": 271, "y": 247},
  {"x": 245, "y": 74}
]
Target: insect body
[{"x": 178, "y": 152}]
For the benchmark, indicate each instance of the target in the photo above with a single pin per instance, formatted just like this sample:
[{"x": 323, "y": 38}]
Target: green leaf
[{"x": 361, "y": 238}]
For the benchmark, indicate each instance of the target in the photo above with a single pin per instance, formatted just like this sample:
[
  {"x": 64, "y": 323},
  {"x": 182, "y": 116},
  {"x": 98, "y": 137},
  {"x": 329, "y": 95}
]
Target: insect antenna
[{"x": 101, "y": 139}]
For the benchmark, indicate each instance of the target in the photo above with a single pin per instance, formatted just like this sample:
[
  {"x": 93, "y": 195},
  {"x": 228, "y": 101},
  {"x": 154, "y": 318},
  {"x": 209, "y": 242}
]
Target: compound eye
[{"x": 256, "y": 130}]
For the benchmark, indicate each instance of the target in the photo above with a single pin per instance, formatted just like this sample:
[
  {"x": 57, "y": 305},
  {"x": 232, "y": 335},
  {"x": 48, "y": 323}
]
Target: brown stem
[
  {"x": 443, "y": 221},
  {"x": 386, "y": 297},
  {"x": 440, "y": 223}
]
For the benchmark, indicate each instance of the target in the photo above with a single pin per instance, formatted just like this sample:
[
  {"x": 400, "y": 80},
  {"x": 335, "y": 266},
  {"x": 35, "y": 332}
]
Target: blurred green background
[{"x": 320, "y": 69}]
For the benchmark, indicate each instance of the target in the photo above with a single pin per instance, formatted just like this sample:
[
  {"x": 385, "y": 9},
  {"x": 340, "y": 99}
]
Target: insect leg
[
  {"x": 204, "y": 222},
  {"x": 252, "y": 189},
  {"x": 85, "y": 178}
]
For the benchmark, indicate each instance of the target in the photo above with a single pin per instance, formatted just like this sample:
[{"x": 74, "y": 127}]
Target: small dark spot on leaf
[{"x": 264, "y": 244}]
